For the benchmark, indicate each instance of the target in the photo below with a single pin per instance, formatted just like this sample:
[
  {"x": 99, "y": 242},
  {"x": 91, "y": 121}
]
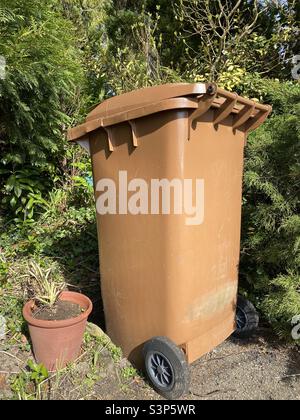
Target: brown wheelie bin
[{"x": 168, "y": 166}]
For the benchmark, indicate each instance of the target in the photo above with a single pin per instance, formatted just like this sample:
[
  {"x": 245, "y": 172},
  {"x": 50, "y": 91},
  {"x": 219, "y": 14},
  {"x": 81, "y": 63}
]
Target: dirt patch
[
  {"x": 258, "y": 369},
  {"x": 62, "y": 311}
]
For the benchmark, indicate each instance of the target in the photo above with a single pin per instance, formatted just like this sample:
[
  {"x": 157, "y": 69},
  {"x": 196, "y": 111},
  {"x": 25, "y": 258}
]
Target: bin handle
[
  {"x": 205, "y": 103},
  {"x": 109, "y": 138},
  {"x": 258, "y": 120},
  {"x": 243, "y": 116},
  {"x": 226, "y": 109},
  {"x": 246, "y": 119},
  {"x": 134, "y": 133}
]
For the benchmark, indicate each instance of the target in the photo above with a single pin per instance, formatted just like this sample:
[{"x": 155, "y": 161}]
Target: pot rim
[{"x": 73, "y": 297}]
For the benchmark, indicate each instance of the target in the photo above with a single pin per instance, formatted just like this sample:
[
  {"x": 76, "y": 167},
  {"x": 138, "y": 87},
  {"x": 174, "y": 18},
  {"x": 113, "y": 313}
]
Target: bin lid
[
  {"x": 141, "y": 97},
  {"x": 197, "y": 97}
]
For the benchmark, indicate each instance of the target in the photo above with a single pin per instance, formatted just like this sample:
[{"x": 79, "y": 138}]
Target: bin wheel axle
[
  {"x": 166, "y": 367},
  {"x": 161, "y": 370}
]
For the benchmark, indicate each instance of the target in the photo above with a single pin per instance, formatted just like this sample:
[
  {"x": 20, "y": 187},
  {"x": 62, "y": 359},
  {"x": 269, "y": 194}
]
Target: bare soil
[{"x": 61, "y": 311}]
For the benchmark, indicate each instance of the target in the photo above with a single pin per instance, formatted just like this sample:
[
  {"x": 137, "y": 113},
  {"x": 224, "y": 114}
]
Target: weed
[
  {"x": 4, "y": 267},
  {"x": 27, "y": 385},
  {"x": 129, "y": 372},
  {"x": 116, "y": 352}
]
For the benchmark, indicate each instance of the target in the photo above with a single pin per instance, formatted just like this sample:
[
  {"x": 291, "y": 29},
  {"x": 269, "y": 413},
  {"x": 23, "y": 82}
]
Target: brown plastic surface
[
  {"x": 160, "y": 277},
  {"x": 141, "y": 97}
]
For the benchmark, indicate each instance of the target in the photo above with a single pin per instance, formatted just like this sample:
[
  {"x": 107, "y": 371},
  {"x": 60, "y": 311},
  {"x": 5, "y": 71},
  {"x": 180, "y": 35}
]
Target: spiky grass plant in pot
[{"x": 56, "y": 317}]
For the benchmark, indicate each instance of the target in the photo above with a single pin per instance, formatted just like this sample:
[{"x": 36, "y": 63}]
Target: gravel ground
[{"x": 256, "y": 369}]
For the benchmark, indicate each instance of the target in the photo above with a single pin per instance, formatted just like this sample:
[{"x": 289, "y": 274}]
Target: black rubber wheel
[
  {"x": 167, "y": 368},
  {"x": 247, "y": 319}
]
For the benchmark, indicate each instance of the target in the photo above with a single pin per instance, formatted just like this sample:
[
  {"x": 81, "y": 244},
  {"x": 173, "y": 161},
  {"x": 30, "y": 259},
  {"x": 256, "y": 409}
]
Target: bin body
[{"x": 159, "y": 275}]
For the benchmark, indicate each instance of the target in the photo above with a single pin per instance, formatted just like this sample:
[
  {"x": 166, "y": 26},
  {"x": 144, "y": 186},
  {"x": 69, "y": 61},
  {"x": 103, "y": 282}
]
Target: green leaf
[
  {"x": 18, "y": 191},
  {"x": 13, "y": 202}
]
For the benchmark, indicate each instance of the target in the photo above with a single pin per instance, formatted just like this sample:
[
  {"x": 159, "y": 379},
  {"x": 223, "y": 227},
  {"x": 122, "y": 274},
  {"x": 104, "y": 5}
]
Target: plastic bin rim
[
  {"x": 146, "y": 96},
  {"x": 249, "y": 115},
  {"x": 128, "y": 116}
]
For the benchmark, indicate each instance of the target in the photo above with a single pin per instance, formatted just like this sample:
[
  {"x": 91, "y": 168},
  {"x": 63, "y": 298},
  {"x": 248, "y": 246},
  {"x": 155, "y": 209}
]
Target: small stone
[
  {"x": 95, "y": 331},
  {"x": 24, "y": 340},
  {"x": 82, "y": 368},
  {"x": 2, "y": 328},
  {"x": 107, "y": 364},
  {"x": 124, "y": 363}
]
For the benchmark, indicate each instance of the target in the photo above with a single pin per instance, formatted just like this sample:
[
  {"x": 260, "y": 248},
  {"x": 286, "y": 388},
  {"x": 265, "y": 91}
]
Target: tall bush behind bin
[
  {"x": 270, "y": 264},
  {"x": 37, "y": 97}
]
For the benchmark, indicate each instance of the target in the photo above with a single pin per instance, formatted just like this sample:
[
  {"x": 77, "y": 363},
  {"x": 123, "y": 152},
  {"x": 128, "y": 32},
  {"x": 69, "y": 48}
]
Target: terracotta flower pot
[{"x": 57, "y": 343}]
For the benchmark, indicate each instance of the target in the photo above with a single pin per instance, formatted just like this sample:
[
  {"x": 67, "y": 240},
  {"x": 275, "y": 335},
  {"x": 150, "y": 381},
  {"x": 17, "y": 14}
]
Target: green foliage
[
  {"x": 283, "y": 303},
  {"x": 129, "y": 372},
  {"x": 134, "y": 48},
  {"x": 27, "y": 385},
  {"x": 36, "y": 98},
  {"x": 23, "y": 194},
  {"x": 271, "y": 221},
  {"x": 11, "y": 305},
  {"x": 64, "y": 238},
  {"x": 88, "y": 18},
  {"x": 3, "y": 268}
]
